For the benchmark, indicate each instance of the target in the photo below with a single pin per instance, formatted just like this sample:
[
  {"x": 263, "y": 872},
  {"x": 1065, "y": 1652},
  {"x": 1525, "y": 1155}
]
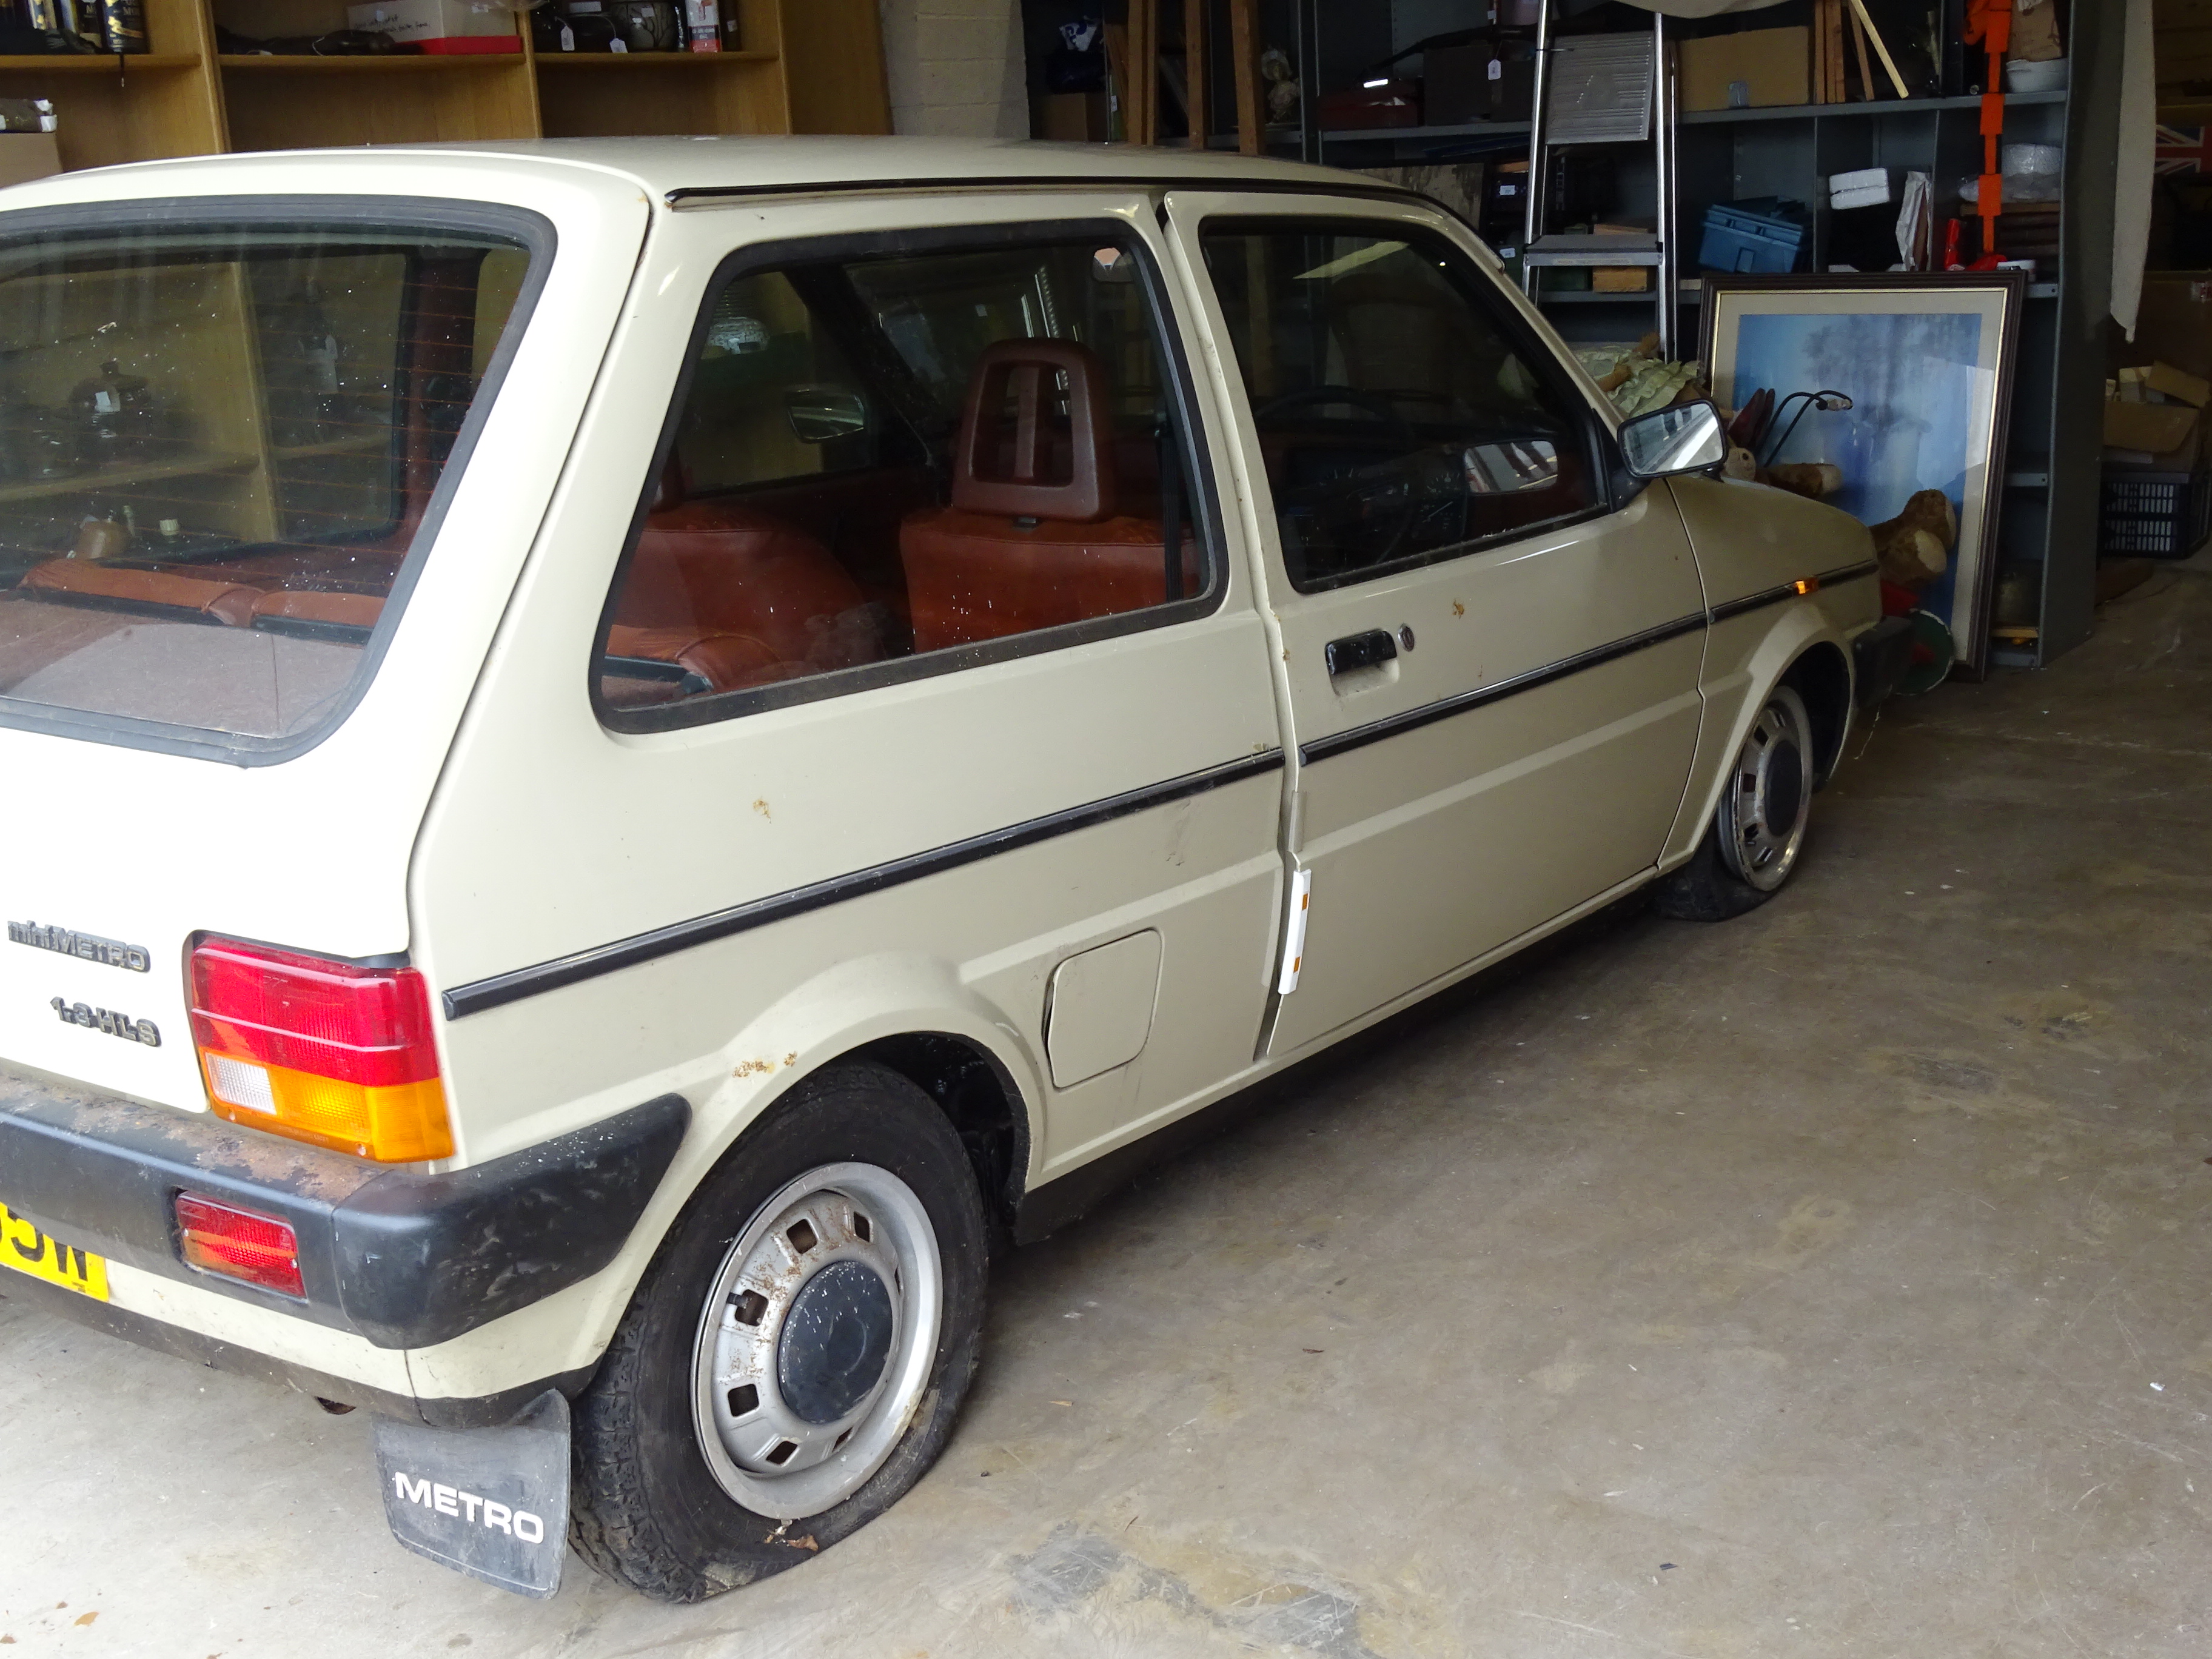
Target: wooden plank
[
  {"x": 1859, "y": 11},
  {"x": 1197, "y": 96},
  {"x": 1144, "y": 71},
  {"x": 1828, "y": 43},
  {"x": 1251, "y": 108},
  {"x": 1866, "y": 64}
]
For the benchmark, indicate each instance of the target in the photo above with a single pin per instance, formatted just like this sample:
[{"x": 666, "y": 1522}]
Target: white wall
[{"x": 956, "y": 68}]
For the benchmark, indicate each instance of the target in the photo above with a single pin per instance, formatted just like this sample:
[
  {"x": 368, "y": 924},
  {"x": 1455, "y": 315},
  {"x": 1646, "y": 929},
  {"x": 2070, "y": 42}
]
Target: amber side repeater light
[{"x": 325, "y": 1051}]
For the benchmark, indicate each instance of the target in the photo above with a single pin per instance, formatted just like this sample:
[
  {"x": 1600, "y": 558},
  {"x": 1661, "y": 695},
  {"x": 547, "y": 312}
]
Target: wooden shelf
[
  {"x": 806, "y": 69},
  {"x": 637, "y": 60},
  {"x": 95, "y": 64},
  {"x": 409, "y": 64},
  {"x": 129, "y": 477},
  {"x": 357, "y": 446}
]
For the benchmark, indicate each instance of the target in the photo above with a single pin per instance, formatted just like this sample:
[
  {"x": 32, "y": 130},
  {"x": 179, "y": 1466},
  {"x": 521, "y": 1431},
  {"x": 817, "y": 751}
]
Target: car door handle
[{"x": 1360, "y": 650}]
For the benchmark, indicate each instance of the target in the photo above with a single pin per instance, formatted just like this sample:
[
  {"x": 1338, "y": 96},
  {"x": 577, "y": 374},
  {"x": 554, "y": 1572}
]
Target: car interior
[{"x": 868, "y": 459}]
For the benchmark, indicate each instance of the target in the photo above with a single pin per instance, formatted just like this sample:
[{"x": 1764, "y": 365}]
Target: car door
[
  {"x": 1491, "y": 660},
  {"x": 925, "y": 695}
]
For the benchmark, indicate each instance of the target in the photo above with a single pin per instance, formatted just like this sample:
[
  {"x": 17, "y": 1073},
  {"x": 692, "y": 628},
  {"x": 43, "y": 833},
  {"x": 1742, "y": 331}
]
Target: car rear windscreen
[{"x": 219, "y": 447}]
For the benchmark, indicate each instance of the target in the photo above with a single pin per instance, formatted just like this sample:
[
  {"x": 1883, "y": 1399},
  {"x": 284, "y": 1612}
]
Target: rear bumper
[
  {"x": 1879, "y": 659},
  {"x": 393, "y": 1258}
]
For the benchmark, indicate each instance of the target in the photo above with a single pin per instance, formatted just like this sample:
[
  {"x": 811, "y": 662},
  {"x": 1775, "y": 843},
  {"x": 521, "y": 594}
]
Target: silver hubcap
[
  {"x": 1769, "y": 799},
  {"x": 816, "y": 1340}
]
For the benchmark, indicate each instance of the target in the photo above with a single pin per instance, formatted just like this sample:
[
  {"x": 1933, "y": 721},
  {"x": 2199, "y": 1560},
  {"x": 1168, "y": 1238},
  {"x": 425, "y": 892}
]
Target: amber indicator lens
[{"x": 326, "y": 1052}]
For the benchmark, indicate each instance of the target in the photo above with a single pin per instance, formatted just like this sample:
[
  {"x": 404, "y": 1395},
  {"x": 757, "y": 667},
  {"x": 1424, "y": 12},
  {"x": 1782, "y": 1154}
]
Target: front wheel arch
[{"x": 1822, "y": 678}]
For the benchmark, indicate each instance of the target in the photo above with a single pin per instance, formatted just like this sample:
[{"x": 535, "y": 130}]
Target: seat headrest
[{"x": 1000, "y": 470}]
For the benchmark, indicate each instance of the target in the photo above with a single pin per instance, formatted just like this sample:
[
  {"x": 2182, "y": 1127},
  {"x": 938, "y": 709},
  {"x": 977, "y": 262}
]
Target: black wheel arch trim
[{"x": 401, "y": 1258}]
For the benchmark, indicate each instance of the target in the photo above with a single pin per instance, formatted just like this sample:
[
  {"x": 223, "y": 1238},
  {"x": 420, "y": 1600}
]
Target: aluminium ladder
[{"x": 1542, "y": 252}]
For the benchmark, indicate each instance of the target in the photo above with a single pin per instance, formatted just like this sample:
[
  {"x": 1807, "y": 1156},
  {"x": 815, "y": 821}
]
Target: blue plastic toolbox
[{"x": 1766, "y": 234}]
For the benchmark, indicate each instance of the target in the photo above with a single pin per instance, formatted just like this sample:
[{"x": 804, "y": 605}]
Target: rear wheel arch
[{"x": 978, "y": 1096}]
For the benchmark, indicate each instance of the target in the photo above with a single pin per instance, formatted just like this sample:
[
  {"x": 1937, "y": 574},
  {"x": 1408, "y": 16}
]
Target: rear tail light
[
  {"x": 257, "y": 1249},
  {"x": 322, "y": 1051}
]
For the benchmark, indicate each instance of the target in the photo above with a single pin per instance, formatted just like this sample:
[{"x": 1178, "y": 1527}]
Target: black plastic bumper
[
  {"x": 1880, "y": 658},
  {"x": 403, "y": 1259}
]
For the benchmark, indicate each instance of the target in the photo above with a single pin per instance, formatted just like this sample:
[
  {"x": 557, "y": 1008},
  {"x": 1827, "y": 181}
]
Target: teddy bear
[{"x": 1914, "y": 548}]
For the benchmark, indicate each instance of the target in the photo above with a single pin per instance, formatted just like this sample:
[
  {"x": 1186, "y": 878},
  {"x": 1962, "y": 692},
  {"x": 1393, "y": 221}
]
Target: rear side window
[
  {"x": 886, "y": 464},
  {"x": 1402, "y": 421},
  {"x": 219, "y": 445}
]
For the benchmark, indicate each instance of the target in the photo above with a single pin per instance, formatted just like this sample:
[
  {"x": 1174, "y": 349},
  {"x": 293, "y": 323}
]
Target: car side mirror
[
  {"x": 1687, "y": 438},
  {"x": 820, "y": 413}
]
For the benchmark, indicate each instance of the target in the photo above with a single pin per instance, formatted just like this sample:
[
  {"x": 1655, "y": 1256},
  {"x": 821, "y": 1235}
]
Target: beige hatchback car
[{"x": 629, "y": 751}]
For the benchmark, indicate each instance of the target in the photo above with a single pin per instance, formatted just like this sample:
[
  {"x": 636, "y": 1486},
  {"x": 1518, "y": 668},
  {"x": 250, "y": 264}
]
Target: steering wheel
[
  {"x": 1380, "y": 407},
  {"x": 1356, "y": 491}
]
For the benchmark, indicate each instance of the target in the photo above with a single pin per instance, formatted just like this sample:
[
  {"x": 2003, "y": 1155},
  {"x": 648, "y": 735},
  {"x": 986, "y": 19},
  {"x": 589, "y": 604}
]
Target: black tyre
[
  {"x": 794, "y": 1357},
  {"x": 1757, "y": 834}
]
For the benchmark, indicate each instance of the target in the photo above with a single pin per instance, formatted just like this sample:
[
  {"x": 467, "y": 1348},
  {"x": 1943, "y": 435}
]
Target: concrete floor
[{"x": 1830, "y": 1282}]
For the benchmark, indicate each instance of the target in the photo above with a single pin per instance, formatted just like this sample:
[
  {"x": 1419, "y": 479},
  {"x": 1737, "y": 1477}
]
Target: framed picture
[{"x": 1927, "y": 362}]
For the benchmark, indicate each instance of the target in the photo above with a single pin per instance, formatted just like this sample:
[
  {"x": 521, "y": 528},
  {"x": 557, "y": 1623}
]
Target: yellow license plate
[{"x": 28, "y": 1250}]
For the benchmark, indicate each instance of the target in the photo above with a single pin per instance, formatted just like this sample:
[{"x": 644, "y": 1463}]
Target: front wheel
[
  {"x": 1758, "y": 830},
  {"x": 793, "y": 1358}
]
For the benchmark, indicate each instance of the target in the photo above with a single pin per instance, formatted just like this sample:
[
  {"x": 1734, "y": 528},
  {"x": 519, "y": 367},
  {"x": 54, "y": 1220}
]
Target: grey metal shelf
[
  {"x": 1699, "y": 118},
  {"x": 1831, "y": 111},
  {"x": 1387, "y": 135}
]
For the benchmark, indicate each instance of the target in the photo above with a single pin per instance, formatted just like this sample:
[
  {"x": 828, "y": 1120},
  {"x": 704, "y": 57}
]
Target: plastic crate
[
  {"x": 1767, "y": 235},
  {"x": 2154, "y": 515}
]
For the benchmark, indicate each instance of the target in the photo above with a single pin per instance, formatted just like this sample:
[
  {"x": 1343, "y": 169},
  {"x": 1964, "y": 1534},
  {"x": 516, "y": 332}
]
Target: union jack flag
[{"x": 2184, "y": 149}]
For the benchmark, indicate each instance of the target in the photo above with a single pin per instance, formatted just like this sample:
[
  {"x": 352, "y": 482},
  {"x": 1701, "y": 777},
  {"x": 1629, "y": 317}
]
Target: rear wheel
[
  {"x": 793, "y": 1359},
  {"x": 1758, "y": 830}
]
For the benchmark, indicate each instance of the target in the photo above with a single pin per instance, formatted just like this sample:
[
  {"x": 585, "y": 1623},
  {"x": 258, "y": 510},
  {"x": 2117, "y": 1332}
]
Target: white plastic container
[
  {"x": 2023, "y": 77},
  {"x": 1867, "y": 187}
]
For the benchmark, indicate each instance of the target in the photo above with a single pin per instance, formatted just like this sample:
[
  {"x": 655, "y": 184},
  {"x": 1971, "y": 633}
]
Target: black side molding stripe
[
  {"x": 1445, "y": 708},
  {"x": 502, "y": 988},
  {"x": 1759, "y": 601}
]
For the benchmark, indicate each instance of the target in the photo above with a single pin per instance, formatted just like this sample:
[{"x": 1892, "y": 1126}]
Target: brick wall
[{"x": 956, "y": 68}]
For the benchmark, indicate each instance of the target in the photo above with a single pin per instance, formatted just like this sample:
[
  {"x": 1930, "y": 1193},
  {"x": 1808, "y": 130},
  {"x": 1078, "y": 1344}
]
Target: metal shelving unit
[{"x": 2048, "y": 524}]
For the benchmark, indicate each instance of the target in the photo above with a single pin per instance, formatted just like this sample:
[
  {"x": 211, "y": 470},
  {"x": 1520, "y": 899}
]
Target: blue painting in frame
[{"x": 1927, "y": 360}]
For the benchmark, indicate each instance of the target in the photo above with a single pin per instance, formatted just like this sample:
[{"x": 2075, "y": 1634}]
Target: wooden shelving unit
[{"x": 796, "y": 74}]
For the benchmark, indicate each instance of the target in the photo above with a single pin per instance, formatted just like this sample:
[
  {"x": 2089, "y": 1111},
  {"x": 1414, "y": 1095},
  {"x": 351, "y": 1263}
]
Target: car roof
[{"x": 675, "y": 167}]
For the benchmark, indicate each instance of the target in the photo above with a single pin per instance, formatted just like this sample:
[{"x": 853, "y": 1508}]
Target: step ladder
[{"x": 1541, "y": 250}]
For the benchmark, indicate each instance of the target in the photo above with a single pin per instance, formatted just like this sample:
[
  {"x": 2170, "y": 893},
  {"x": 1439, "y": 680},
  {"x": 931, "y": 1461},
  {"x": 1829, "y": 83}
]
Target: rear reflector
[
  {"x": 322, "y": 1051},
  {"x": 256, "y": 1250}
]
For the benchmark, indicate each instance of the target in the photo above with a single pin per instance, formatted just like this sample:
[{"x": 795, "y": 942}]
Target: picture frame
[{"x": 1928, "y": 360}]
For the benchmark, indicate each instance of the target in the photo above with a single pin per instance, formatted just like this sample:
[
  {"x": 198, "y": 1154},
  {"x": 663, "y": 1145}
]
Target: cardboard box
[
  {"x": 410, "y": 22},
  {"x": 2160, "y": 435},
  {"x": 1070, "y": 118},
  {"x": 2174, "y": 324},
  {"x": 1620, "y": 279},
  {"x": 1485, "y": 81},
  {"x": 1774, "y": 65},
  {"x": 28, "y": 155},
  {"x": 2175, "y": 383}
]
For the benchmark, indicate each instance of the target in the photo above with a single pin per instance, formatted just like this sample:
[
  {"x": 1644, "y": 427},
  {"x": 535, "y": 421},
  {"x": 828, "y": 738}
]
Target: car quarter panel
[
  {"x": 1754, "y": 544},
  {"x": 1086, "y": 793}
]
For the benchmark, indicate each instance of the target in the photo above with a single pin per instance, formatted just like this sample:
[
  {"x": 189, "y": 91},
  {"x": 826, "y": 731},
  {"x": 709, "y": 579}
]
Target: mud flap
[{"x": 491, "y": 1503}]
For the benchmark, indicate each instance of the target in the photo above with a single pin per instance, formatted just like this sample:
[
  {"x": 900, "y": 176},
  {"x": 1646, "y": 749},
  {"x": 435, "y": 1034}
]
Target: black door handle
[{"x": 1360, "y": 650}]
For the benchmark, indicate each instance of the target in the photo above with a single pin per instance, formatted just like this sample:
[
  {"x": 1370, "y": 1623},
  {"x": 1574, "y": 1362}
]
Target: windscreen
[{"x": 217, "y": 448}]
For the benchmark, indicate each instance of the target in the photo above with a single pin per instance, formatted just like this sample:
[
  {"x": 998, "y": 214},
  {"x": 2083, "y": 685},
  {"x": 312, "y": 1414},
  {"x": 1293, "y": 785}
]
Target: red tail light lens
[
  {"x": 322, "y": 1051},
  {"x": 257, "y": 1249}
]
